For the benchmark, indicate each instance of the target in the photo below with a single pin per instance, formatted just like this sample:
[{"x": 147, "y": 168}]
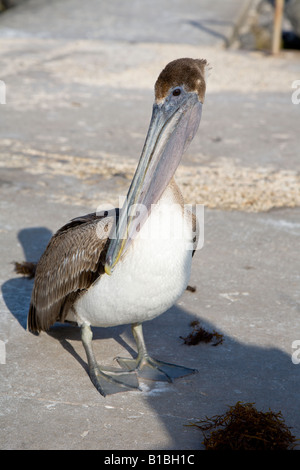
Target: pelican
[{"x": 127, "y": 267}]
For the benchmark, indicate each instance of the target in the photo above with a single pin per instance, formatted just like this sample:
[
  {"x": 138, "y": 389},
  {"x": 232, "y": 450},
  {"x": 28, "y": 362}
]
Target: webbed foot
[
  {"x": 109, "y": 381},
  {"x": 152, "y": 369}
]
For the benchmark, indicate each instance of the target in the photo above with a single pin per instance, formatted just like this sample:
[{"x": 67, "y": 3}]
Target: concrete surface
[{"x": 79, "y": 96}]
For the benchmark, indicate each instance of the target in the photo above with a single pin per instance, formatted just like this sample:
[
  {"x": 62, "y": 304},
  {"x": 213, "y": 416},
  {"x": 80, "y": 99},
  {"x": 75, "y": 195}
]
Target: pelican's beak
[{"x": 173, "y": 125}]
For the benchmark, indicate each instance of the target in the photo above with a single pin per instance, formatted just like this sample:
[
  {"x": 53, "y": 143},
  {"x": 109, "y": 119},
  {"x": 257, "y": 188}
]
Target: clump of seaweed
[
  {"x": 242, "y": 427},
  {"x": 191, "y": 288},
  {"x": 199, "y": 334},
  {"x": 26, "y": 268}
]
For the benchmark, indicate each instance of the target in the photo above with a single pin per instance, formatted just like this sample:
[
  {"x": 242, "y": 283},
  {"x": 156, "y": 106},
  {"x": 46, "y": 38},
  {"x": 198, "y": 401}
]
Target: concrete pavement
[{"x": 79, "y": 95}]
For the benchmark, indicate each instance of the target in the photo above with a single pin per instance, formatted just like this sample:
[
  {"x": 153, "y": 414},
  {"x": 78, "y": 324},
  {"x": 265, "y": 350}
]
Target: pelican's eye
[{"x": 176, "y": 92}]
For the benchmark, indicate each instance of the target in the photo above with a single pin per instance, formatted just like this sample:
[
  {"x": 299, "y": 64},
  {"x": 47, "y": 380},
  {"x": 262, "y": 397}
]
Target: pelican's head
[{"x": 179, "y": 95}]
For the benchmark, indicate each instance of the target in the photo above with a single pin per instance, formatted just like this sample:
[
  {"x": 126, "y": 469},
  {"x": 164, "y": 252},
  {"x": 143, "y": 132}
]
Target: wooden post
[{"x": 278, "y": 14}]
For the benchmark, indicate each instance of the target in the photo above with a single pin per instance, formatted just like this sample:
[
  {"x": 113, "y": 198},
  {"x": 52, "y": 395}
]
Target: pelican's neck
[{"x": 172, "y": 194}]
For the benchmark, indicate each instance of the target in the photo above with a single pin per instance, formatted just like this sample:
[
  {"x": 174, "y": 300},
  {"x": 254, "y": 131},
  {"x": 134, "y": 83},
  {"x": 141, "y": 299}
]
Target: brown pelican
[{"x": 96, "y": 272}]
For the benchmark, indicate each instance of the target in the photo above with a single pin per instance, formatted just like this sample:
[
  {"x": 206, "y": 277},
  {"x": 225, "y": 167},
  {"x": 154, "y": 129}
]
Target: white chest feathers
[{"x": 150, "y": 278}]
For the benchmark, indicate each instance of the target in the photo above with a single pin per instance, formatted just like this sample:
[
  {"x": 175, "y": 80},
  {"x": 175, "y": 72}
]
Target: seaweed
[
  {"x": 242, "y": 427},
  {"x": 26, "y": 268},
  {"x": 199, "y": 334},
  {"x": 191, "y": 288}
]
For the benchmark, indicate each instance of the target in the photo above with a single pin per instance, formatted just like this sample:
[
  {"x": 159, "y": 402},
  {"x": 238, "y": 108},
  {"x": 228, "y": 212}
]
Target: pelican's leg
[
  {"x": 106, "y": 380},
  {"x": 148, "y": 367}
]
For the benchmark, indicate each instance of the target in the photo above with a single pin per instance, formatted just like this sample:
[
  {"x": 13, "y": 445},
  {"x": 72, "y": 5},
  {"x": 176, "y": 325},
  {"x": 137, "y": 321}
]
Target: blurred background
[{"x": 79, "y": 84}]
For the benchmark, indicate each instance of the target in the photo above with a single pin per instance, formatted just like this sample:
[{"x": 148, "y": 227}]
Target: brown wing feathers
[{"x": 71, "y": 262}]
